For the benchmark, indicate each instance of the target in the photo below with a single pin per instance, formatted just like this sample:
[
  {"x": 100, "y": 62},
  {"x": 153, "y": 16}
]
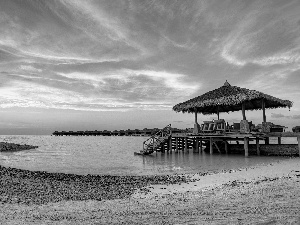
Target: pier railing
[{"x": 156, "y": 140}]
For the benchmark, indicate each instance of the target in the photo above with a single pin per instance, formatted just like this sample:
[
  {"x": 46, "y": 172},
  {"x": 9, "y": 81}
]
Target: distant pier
[{"x": 135, "y": 132}]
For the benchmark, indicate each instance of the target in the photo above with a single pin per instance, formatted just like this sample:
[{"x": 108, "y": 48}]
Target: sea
[{"x": 114, "y": 155}]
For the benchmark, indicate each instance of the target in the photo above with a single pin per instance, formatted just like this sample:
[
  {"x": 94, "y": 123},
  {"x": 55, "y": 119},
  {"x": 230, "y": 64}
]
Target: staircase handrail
[{"x": 165, "y": 132}]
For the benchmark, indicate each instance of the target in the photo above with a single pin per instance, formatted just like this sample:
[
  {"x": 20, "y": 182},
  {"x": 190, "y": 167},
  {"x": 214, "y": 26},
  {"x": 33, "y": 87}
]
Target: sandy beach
[{"x": 267, "y": 194}]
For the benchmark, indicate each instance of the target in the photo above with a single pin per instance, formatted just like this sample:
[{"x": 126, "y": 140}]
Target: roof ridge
[{"x": 226, "y": 84}]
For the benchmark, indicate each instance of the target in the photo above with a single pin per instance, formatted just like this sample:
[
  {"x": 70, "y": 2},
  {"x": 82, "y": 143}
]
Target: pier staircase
[{"x": 156, "y": 141}]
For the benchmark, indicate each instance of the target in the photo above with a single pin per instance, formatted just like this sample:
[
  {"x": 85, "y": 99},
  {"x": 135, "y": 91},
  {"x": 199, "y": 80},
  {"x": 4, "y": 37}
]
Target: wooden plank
[
  {"x": 237, "y": 135},
  {"x": 282, "y": 134},
  {"x": 217, "y": 147}
]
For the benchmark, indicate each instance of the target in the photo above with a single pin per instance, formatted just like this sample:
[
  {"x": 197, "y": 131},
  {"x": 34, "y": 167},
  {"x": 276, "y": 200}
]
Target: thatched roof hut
[{"x": 231, "y": 98}]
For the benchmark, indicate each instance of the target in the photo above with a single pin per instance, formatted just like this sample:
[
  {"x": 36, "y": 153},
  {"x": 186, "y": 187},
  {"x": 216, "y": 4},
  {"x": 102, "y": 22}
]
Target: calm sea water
[{"x": 115, "y": 156}]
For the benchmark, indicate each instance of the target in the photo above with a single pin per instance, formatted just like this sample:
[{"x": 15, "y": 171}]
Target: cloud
[
  {"x": 103, "y": 55},
  {"x": 119, "y": 90},
  {"x": 30, "y": 68},
  {"x": 264, "y": 37},
  {"x": 277, "y": 115},
  {"x": 296, "y": 117},
  {"x": 136, "y": 85}
]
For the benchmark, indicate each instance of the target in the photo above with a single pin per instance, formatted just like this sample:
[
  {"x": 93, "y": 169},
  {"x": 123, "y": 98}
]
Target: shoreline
[
  {"x": 56, "y": 186},
  {"x": 40, "y": 187},
  {"x": 265, "y": 194},
  {"x": 279, "y": 169}
]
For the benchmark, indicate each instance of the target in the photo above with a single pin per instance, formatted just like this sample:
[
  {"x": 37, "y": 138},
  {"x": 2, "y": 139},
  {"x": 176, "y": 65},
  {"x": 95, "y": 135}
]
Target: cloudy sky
[{"x": 118, "y": 64}]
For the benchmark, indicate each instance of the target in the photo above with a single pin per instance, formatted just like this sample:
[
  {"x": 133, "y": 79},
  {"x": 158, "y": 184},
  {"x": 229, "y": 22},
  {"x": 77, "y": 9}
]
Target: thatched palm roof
[{"x": 230, "y": 98}]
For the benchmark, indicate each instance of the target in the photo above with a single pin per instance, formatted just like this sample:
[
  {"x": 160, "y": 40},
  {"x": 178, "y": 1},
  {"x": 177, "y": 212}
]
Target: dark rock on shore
[
  {"x": 11, "y": 147},
  {"x": 29, "y": 187}
]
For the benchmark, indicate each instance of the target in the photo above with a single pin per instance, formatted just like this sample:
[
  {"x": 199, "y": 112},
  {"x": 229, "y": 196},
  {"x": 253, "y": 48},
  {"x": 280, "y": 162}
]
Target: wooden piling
[
  {"x": 298, "y": 138},
  {"x": 182, "y": 143},
  {"x": 226, "y": 147},
  {"x": 201, "y": 148},
  {"x": 257, "y": 146},
  {"x": 163, "y": 149},
  {"x": 211, "y": 145},
  {"x": 267, "y": 140},
  {"x": 279, "y": 140},
  {"x": 246, "y": 146},
  {"x": 196, "y": 147},
  {"x": 185, "y": 144},
  {"x": 170, "y": 144},
  {"x": 176, "y": 144}
]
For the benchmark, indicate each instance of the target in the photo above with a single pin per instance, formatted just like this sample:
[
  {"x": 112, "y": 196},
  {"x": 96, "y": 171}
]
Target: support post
[
  {"x": 201, "y": 150},
  {"x": 176, "y": 145},
  {"x": 226, "y": 147},
  {"x": 264, "y": 110},
  {"x": 267, "y": 140},
  {"x": 243, "y": 110},
  {"x": 298, "y": 138},
  {"x": 193, "y": 144},
  {"x": 246, "y": 146},
  {"x": 196, "y": 146},
  {"x": 170, "y": 144},
  {"x": 196, "y": 125},
  {"x": 279, "y": 140},
  {"x": 211, "y": 145},
  {"x": 257, "y": 146},
  {"x": 185, "y": 144}
]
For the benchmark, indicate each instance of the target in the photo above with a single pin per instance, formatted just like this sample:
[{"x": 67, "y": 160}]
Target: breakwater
[{"x": 128, "y": 132}]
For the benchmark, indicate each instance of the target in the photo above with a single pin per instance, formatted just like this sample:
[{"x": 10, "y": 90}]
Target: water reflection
[
  {"x": 189, "y": 162},
  {"x": 114, "y": 155}
]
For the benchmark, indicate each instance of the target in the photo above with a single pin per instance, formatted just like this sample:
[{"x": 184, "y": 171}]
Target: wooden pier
[
  {"x": 223, "y": 143},
  {"x": 217, "y": 134}
]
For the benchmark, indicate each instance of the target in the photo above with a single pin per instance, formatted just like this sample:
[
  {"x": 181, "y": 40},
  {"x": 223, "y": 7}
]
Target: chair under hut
[{"x": 229, "y": 98}]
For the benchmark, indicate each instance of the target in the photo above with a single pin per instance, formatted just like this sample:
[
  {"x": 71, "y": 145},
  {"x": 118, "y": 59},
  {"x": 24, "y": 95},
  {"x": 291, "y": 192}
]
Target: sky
[{"x": 123, "y": 64}]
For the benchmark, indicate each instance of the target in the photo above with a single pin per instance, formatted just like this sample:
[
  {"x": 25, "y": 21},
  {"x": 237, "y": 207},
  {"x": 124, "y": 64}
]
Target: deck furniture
[
  {"x": 207, "y": 126},
  {"x": 215, "y": 126},
  {"x": 220, "y": 125},
  {"x": 296, "y": 129}
]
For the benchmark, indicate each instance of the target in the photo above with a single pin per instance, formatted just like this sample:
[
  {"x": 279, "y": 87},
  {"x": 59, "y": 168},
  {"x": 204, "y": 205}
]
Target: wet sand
[{"x": 259, "y": 195}]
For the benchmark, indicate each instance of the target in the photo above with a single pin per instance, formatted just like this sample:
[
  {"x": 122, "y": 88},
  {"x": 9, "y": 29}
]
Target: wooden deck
[{"x": 184, "y": 140}]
